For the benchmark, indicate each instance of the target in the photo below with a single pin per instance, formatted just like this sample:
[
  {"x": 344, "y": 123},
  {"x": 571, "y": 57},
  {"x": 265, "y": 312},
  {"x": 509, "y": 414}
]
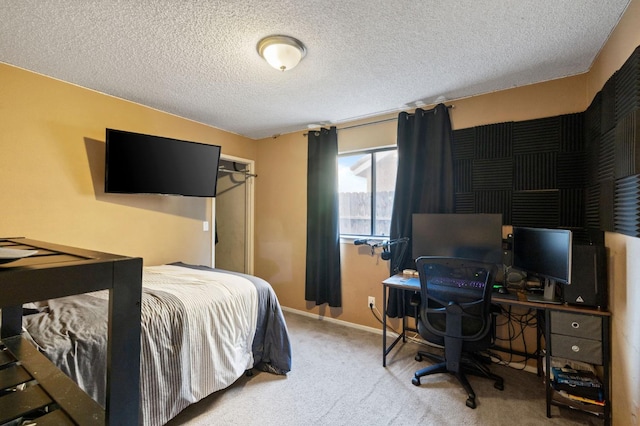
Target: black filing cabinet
[{"x": 579, "y": 334}]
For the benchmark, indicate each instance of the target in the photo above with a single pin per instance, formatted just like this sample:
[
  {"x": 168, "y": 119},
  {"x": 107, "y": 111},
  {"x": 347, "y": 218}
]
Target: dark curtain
[
  {"x": 323, "y": 234},
  {"x": 424, "y": 182}
]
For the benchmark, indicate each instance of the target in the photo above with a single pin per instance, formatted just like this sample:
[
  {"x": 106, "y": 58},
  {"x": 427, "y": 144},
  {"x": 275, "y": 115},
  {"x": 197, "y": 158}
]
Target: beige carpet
[{"x": 337, "y": 378}]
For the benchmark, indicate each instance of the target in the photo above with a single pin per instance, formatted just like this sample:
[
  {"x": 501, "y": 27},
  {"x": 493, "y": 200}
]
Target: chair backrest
[{"x": 455, "y": 296}]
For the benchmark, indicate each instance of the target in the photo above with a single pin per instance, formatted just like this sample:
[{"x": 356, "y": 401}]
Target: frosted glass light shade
[{"x": 281, "y": 52}]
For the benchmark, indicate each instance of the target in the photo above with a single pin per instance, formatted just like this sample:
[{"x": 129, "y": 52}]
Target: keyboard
[{"x": 458, "y": 283}]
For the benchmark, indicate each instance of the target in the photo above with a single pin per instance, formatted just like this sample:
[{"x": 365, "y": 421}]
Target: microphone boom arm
[{"x": 385, "y": 247}]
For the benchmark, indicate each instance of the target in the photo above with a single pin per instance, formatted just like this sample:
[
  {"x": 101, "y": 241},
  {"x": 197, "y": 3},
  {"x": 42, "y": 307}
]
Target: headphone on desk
[{"x": 515, "y": 278}]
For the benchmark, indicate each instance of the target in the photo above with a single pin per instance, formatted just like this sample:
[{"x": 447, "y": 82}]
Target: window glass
[
  {"x": 386, "y": 169},
  {"x": 354, "y": 186},
  {"x": 366, "y": 187}
]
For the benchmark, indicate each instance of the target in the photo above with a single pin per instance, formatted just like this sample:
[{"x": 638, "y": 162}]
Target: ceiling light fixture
[{"x": 281, "y": 52}]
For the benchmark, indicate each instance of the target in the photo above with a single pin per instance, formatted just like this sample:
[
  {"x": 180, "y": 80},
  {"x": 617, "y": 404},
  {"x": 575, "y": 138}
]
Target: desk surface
[
  {"x": 402, "y": 282},
  {"x": 412, "y": 283}
]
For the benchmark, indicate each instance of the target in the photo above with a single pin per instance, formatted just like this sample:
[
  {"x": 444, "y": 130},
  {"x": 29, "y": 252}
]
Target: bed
[{"x": 202, "y": 328}]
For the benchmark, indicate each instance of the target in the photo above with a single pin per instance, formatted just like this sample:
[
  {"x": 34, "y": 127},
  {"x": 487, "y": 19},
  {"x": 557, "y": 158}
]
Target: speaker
[{"x": 588, "y": 277}]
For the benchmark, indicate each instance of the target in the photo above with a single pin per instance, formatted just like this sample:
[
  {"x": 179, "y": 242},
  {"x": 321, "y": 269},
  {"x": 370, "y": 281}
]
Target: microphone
[{"x": 359, "y": 242}]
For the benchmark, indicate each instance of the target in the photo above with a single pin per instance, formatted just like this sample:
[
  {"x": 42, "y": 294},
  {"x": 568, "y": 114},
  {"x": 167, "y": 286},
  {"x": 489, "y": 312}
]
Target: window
[{"x": 366, "y": 184}]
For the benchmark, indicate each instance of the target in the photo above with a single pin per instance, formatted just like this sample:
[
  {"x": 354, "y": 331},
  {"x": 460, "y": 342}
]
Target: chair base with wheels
[
  {"x": 454, "y": 312},
  {"x": 471, "y": 364}
]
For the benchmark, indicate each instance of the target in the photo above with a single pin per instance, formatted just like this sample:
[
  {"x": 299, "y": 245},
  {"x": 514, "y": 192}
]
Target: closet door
[{"x": 232, "y": 217}]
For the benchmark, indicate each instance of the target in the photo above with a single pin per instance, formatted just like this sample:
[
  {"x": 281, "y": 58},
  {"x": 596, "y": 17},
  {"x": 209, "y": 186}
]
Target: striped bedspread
[{"x": 201, "y": 330}]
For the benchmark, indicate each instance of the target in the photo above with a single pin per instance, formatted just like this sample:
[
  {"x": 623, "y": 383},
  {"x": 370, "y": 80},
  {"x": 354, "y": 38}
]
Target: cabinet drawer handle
[
  {"x": 575, "y": 324},
  {"x": 575, "y": 348}
]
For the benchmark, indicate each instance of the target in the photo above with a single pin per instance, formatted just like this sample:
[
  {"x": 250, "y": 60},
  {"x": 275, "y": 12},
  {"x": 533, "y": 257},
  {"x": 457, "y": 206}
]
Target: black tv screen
[
  {"x": 145, "y": 164},
  {"x": 471, "y": 236}
]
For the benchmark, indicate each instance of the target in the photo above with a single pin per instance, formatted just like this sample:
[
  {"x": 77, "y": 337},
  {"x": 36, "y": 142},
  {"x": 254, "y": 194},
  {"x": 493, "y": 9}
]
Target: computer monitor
[
  {"x": 545, "y": 253},
  {"x": 470, "y": 236}
]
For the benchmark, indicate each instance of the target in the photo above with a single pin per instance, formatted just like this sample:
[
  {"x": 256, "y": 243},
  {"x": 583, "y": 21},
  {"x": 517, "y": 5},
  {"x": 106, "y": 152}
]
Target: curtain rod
[
  {"x": 244, "y": 172},
  {"x": 380, "y": 121}
]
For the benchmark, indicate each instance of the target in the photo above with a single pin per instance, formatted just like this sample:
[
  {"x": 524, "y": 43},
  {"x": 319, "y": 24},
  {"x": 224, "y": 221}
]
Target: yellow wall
[{"x": 52, "y": 172}]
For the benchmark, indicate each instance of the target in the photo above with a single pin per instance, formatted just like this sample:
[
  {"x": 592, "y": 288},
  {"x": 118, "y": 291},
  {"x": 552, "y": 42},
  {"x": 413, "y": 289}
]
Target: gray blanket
[
  {"x": 72, "y": 333},
  {"x": 271, "y": 348}
]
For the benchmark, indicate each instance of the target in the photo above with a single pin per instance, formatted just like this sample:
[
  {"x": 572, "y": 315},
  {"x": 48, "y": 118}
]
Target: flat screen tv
[
  {"x": 144, "y": 164},
  {"x": 471, "y": 236}
]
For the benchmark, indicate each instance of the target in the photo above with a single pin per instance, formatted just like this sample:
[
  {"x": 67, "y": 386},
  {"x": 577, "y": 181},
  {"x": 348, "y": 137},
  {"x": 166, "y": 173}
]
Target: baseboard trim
[
  {"x": 337, "y": 321},
  {"x": 516, "y": 365}
]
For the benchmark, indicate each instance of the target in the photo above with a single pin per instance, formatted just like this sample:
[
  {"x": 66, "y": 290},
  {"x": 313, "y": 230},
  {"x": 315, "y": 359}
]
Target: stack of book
[{"x": 578, "y": 385}]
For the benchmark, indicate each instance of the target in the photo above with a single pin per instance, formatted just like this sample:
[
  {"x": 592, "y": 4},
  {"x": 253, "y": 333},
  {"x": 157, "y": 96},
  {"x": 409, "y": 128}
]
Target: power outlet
[{"x": 372, "y": 302}]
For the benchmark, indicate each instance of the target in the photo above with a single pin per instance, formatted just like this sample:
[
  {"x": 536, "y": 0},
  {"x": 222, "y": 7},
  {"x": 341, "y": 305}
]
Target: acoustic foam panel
[
  {"x": 608, "y": 117},
  {"x": 571, "y": 208},
  {"x": 572, "y": 136},
  {"x": 605, "y": 163},
  {"x": 494, "y": 141},
  {"x": 606, "y": 204},
  {"x": 534, "y": 171},
  {"x": 492, "y": 174},
  {"x": 592, "y": 207},
  {"x": 463, "y": 175},
  {"x": 627, "y": 206},
  {"x": 593, "y": 118},
  {"x": 627, "y": 86},
  {"x": 465, "y": 202},
  {"x": 494, "y": 202},
  {"x": 627, "y": 145},
  {"x": 464, "y": 144},
  {"x": 536, "y": 208},
  {"x": 535, "y": 136},
  {"x": 592, "y": 136},
  {"x": 571, "y": 171}
]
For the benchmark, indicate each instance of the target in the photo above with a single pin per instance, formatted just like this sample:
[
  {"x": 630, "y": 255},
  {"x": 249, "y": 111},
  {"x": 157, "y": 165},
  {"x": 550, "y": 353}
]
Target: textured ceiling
[{"x": 197, "y": 59}]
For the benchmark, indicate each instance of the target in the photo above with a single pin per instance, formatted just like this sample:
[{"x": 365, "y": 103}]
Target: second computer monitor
[
  {"x": 543, "y": 252},
  {"x": 470, "y": 236}
]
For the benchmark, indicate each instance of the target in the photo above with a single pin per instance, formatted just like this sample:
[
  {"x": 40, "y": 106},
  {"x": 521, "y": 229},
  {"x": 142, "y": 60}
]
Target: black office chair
[{"x": 455, "y": 312}]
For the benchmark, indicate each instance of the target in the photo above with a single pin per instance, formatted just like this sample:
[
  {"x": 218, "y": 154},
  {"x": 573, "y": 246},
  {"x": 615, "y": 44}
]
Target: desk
[
  {"x": 549, "y": 324},
  {"x": 401, "y": 283}
]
